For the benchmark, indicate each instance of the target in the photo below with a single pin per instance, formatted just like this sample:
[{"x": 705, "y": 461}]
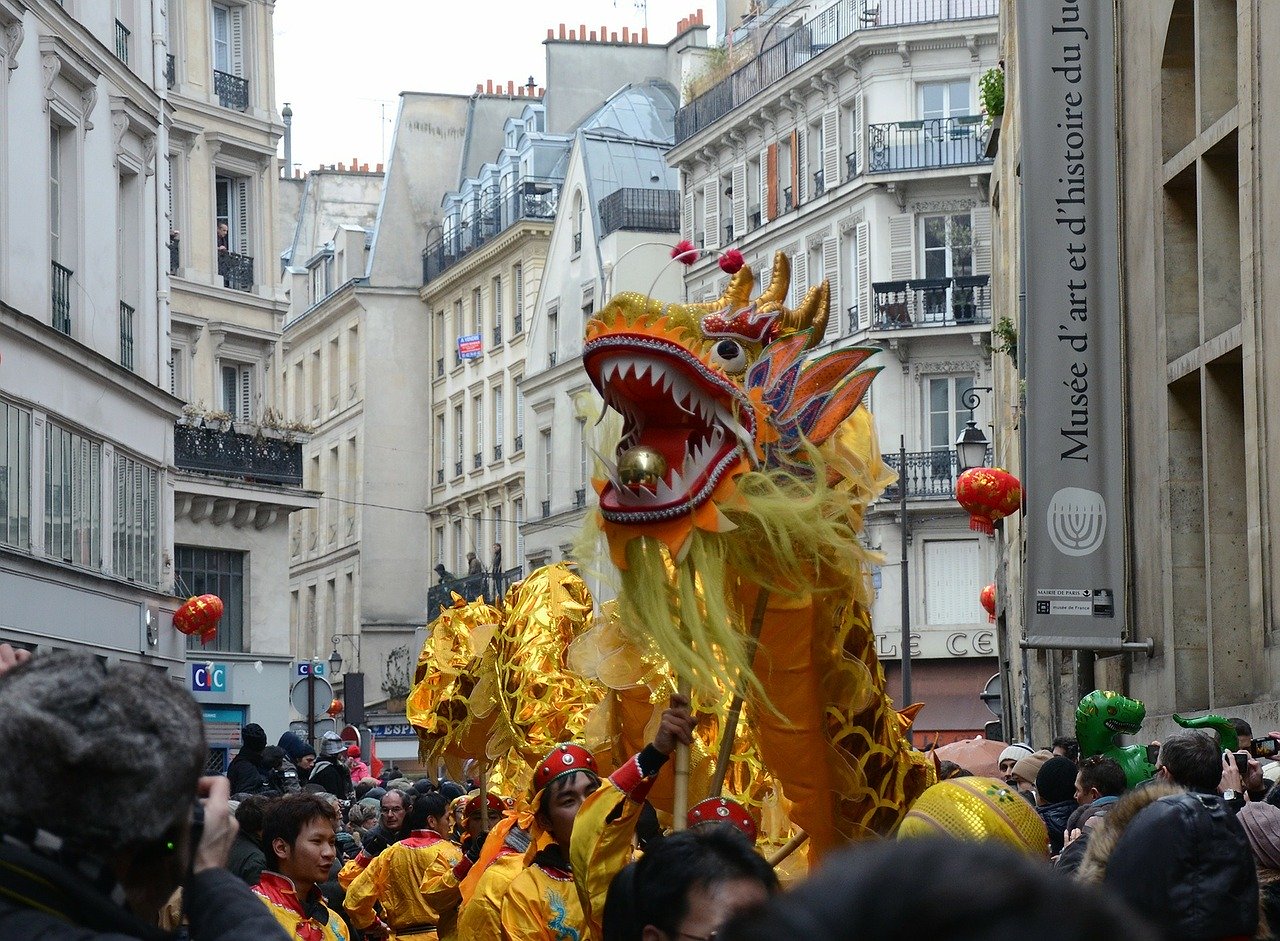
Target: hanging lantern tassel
[
  {"x": 988, "y": 599},
  {"x": 989, "y": 494},
  {"x": 199, "y": 616}
]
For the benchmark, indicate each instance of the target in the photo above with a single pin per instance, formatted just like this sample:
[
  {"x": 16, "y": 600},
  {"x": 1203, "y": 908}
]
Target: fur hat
[
  {"x": 1056, "y": 781},
  {"x": 1261, "y": 822}
]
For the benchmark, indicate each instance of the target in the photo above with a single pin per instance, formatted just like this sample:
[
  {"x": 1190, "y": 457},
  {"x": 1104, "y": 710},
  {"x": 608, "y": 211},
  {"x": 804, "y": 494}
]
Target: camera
[
  {"x": 1242, "y": 761},
  {"x": 1153, "y": 754},
  {"x": 1265, "y": 747}
]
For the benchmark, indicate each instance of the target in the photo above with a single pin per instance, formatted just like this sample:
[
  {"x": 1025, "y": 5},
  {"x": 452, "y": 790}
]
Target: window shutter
[
  {"x": 799, "y": 276},
  {"x": 830, "y": 148},
  {"x": 229, "y": 390},
  {"x": 240, "y": 193},
  {"x": 739, "y": 201},
  {"x": 711, "y": 213},
  {"x": 795, "y": 169},
  {"x": 763, "y": 195},
  {"x": 863, "y": 295},
  {"x": 246, "y": 393},
  {"x": 982, "y": 240},
  {"x": 801, "y": 173},
  {"x": 686, "y": 219},
  {"x": 831, "y": 271},
  {"x": 951, "y": 582},
  {"x": 237, "y": 42},
  {"x": 860, "y": 160},
  {"x": 901, "y": 246},
  {"x": 517, "y": 278},
  {"x": 771, "y": 193}
]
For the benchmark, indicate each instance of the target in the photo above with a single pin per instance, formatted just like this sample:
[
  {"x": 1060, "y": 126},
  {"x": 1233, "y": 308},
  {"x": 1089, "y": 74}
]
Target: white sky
[{"x": 342, "y": 63}]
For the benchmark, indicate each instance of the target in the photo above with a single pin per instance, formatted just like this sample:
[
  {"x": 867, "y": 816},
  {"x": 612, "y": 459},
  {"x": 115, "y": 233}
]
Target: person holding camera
[{"x": 104, "y": 863}]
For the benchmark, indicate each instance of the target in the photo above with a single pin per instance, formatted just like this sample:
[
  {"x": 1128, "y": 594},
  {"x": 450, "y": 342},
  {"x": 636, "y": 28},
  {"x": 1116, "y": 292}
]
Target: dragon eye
[{"x": 729, "y": 356}]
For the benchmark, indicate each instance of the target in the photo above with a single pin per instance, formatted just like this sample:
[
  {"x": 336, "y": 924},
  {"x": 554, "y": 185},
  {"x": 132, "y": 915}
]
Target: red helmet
[
  {"x": 564, "y": 759},
  {"x": 472, "y": 805},
  {"x": 722, "y": 810}
]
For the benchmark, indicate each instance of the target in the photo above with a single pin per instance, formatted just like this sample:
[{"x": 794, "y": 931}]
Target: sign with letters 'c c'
[{"x": 209, "y": 677}]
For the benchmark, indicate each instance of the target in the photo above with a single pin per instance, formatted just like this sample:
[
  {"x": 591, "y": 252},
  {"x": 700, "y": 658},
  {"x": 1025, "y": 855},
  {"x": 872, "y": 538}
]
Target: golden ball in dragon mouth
[{"x": 642, "y": 466}]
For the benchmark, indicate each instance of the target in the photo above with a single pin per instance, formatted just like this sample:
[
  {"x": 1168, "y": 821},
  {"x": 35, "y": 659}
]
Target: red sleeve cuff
[
  {"x": 461, "y": 868},
  {"x": 630, "y": 780}
]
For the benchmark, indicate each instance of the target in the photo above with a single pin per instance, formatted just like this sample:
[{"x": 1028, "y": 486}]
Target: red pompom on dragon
[{"x": 732, "y": 510}]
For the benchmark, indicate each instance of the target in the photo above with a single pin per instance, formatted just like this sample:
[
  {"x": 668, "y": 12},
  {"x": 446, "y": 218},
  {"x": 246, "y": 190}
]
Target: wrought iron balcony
[
  {"x": 497, "y": 452},
  {"x": 439, "y": 366},
  {"x": 477, "y": 461},
  {"x": 518, "y": 445},
  {"x": 932, "y": 302},
  {"x": 61, "y": 294},
  {"x": 122, "y": 42},
  {"x": 170, "y": 71},
  {"x": 787, "y": 202},
  {"x": 517, "y": 324},
  {"x": 819, "y": 183},
  {"x": 488, "y": 584},
  {"x": 457, "y": 468},
  {"x": 439, "y": 475},
  {"x": 486, "y": 216},
  {"x": 753, "y": 218},
  {"x": 850, "y": 165},
  {"x": 546, "y": 508},
  {"x": 577, "y": 242},
  {"x": 174, "y": 245},
  {"x": 236, "y": 271},
  {"x": 926, "y": 145},
  {"x": 252, "y": 458},
  {"x": 580, "y": 498},
  {"x": 930, "y": 475},
  {"x": 728, "y": 234},
  {"x": 852, "y": 313},
  {"x": 232, "y": 90},
  {"x": 497, "y": 335},
  {"x": 551, "y": 358},
  {"x": 634, "y": 209},
  {"x": 126, "y": 335},
  {"x": 837, "y": 22}
]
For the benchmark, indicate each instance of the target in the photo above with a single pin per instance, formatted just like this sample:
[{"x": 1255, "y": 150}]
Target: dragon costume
[
  {"x": 1103, "y": 714},
  {"x": 739, "y": 483}
]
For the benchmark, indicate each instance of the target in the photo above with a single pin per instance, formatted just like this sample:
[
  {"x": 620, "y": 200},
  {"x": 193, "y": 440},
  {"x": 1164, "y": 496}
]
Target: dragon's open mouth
[
  {"x": 685, "y": 426},
  {"x": 1124, "y": 728}
]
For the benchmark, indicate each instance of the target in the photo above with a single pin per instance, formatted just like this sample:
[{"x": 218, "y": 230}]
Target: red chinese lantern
[
  {"x": 335, "y": 708},
  {"x": 988, "y": 599},
  {"x": 199, "y": 615},
  {"x": 989, "y": 494}
]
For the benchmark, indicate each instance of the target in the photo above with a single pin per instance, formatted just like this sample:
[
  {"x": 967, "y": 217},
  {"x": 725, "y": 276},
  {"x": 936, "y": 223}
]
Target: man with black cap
[
  {"x": 247, "y": 773},
  {"x": 1056, "y": 798}
]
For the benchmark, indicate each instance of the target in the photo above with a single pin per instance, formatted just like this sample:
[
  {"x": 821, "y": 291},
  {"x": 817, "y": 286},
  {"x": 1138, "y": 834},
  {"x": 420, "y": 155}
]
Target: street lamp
[
  {"x": 335, "y": 662},
  {"x": 971, "y": 446}
]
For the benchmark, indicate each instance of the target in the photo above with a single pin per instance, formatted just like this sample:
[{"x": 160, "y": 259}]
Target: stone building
[
  {"x": 86, "y": 416},
  {"x": 850, "y": 138},
  {"x": 1201, "y": 575}
]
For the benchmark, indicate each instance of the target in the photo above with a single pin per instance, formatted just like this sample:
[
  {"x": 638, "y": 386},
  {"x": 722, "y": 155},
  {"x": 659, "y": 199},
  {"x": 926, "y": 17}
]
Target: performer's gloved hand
[
  {"x": 474, "y": 846},
  {"x": 375, "y": 841}
]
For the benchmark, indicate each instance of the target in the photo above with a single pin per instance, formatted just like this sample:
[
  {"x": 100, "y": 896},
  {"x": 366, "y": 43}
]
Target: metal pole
[
  {"x": 906, "y": 590},
  {"x": 311, "y": 707}
]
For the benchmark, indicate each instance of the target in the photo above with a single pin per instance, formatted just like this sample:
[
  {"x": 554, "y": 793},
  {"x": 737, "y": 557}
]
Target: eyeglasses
[{"x": 699, "y": 937}]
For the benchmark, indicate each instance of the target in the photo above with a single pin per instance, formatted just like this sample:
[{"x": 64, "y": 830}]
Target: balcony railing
[
  {"x": 489, "y": 584},
  {"x": 852, "y": 313},
  {"x": 837, "y": 22},
  {"x": 633, "y": 209},
  {"x": 488, "y": 215},
  {"x": 517, "y": 324},
  {"x": 932, "y": 302},
  {"x": 457, "y": 468},
  {"x": 930, "y": 475},
  {"x": 232, "y": 90},
  {"x": 477, "y": 461},
  {"x": 546, "y": 508},
  {"x": 170, "y": 71},
  {"x": 819, "y": 183},
  {"x": 174, "y": 245},
  {"x": 122, "y": 42},
  {"x": 497, "y": 452},
  {"x": 497, "y": 335},
  {"x": 926, "y": 145},
  {"x": 236, "y": 271},
  {"x": 439, "y": 366},
  {"x": 126, "y": 335},
  {"x": 252, "y": 458},
  {"x": 580, "y": 498},
  {"x": 577, "y": 242},
  {"x": 850, "y": 165},
  {"x": 61, "y": 293},
  {"x": 518, "y": 445},
  {"x": 439, "y": 475}
]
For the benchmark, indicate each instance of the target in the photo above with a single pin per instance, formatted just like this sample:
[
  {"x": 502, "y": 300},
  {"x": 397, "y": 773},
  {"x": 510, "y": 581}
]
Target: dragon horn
[
  {"x": 776, "y": 293},
  {"x": 735, "y": 296},
  {"x": 811, "y": 315}
]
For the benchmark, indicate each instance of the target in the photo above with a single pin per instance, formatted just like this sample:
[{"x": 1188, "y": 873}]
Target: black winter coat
[
  {"x": 1055, "y": 817},
  {"x": 332, "y": 777},
  {"x": 246, "y": 775}
]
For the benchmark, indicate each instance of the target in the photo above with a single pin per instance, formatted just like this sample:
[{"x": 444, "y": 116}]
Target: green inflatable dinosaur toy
[{"x": 1103, "y": 714}]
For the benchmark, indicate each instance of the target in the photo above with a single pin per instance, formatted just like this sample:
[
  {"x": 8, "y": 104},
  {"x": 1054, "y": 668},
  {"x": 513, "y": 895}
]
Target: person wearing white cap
[{"x": 1009, "y": 757}]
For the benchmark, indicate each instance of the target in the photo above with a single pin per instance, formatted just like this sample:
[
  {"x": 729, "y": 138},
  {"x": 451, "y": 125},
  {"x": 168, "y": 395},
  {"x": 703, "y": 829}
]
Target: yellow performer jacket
[
  {"x": 306, "y": 920},
  {"x": 394, "y": 878},
  {"x": 543, "y": 903},
  {"x": 482, "y": 916}
]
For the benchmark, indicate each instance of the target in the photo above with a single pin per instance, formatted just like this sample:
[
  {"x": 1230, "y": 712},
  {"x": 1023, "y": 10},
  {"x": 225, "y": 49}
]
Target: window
[
  {"x": 57, "y": 156},
  {"x": 231, "y": 232},
  {"x": 228, "y": 39},
  {"x": 947, "y": 245},
  {"x": 438, "y": 342},
  {"x": 553, "y": 336},
  {"x": 442, "y": 447},
  {"x": 519, "y": 442},
  {"x": 477, "y": 313},
  {"x": 517, "y": 510},
  {"x": 577, "y": 221},
  {"x": 438, "y": 548},
  {"x": 321, "y": 274},
  {"x": 944, "y": 99},
  {"x": 135, "y": 530},
  {"x": 496, "y": 294},
  {"x": 459, "y": 330},
  {"x": 457, "y": 434},
  {"x": 477, "y": 428},
  {"x": 15, "y": 476},
  {"x": 477, "y": 534},
  {"x": 584, "y": 468},
  {"x": 945, "y": 413},
  {"x": 353, "y": 359},
  {"x": 952, "y": 582},
  {"x": 457, "y": 548},
  {"x": 315, "y": 384},
  {"x": 73, "y": 494},
  {"x": 548, "y": 463},
  {"x": 237, "y": 391},
  {"x": 198, "y": 571},
  {"x": 335, "y": 374},
  {"x": 498, "y": 423},
  {"x": 62, "y": 220},
  {"x": 517, "y": 300}
]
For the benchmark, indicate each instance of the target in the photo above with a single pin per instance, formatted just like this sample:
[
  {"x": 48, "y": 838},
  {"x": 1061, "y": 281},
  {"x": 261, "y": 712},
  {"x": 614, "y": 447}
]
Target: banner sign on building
[
  {"x": 1073, "y": 472},
  {"x": 470, "y": 346}
]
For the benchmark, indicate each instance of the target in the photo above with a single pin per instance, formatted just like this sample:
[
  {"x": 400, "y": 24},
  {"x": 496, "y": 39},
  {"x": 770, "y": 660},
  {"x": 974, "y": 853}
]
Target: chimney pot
[
  {"x": 551, "y": 33},
  {"x": 573, "y": 36},
  {"x": 593, "y": 35},
  {"x": 479, "y": 88},
  {"x": 613, "y": 36},
  {"x": 488, "y": 86},
  {"x": 582, "y": 31},
  {"x": 521, "y": 91},
  {"x": 562, "y": 31},
  {"x": 644, "y": 35},
  {"x": 511, "y": 87},
  {"x": 379, "y": 170},
  {"x": 342, "y": 168},
  {"x": 626, "y": 34}
]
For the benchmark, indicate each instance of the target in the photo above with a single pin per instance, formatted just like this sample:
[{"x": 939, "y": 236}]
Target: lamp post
[
  {"x": 971, "y": 446},
  {"x": 906, "y": 591},
  {"x": 352, "y": 683}
]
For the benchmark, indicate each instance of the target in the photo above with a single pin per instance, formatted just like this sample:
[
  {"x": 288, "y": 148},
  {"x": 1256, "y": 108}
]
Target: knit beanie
[
  {"x": 1261, "y": 822},
  {"x": 253, "y": 737},
  {"x": 295, "y": 747},
  {"x": 1015, "y": 751},
  {"x": 1056, "y": 781},
  {"x": 1028, "y": 767}
]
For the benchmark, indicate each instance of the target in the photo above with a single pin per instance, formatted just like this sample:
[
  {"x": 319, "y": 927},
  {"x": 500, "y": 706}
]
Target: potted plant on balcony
[{"x": 991, "y": 93}]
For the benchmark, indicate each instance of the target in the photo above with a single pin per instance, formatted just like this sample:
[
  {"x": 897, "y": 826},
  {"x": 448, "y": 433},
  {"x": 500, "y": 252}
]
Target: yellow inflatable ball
[{"x": 976, "y": 809}]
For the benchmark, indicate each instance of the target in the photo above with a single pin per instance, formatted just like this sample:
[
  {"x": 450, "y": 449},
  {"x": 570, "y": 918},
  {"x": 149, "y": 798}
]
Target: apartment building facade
[
  {"x": 86, "y": 418},
  {"x": 848, "y": 136}
]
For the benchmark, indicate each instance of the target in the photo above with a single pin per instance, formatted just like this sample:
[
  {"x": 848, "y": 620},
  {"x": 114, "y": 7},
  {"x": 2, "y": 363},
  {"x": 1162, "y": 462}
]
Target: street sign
[
  {"x": 321, "y": 699},
  {"x": 307, "y": 668},
  {"x": 992, "y": 695},
  {"x": 209, "y": 677}
]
